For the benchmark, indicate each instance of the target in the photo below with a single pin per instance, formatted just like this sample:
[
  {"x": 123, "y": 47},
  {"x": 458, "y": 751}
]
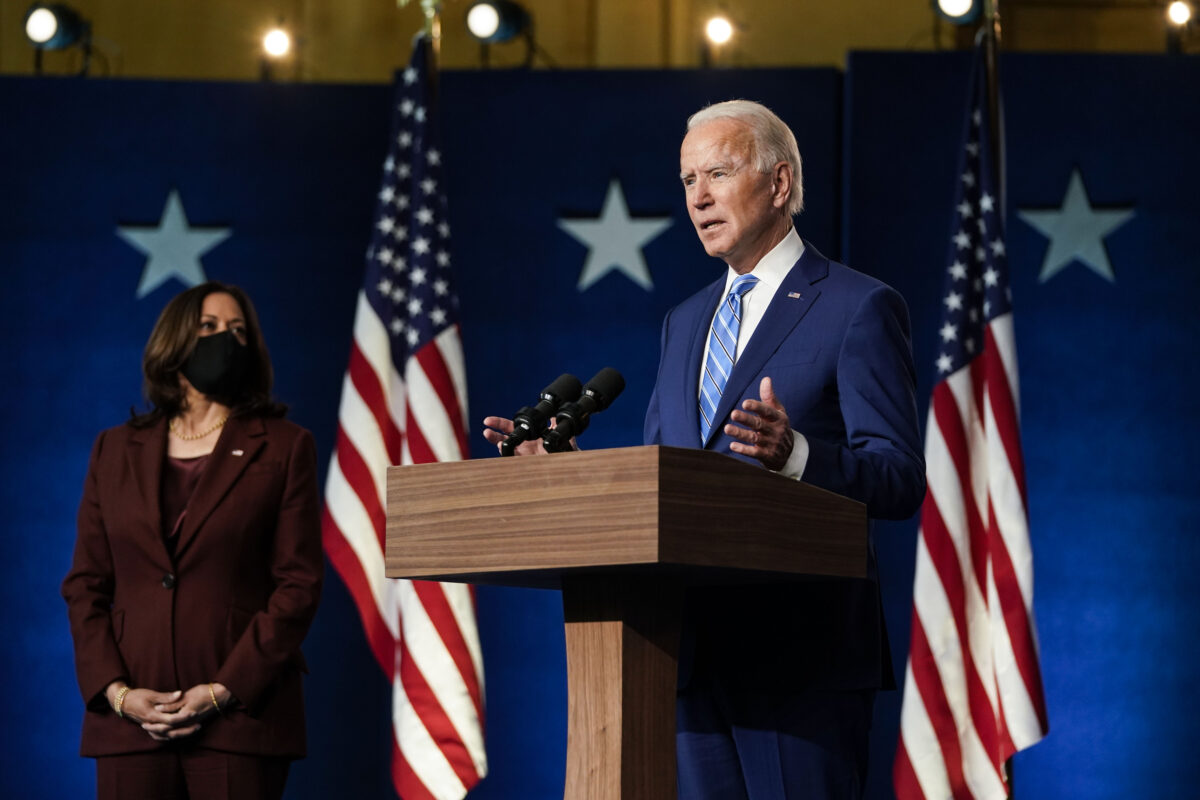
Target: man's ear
[{"x": 781, "y": 184}]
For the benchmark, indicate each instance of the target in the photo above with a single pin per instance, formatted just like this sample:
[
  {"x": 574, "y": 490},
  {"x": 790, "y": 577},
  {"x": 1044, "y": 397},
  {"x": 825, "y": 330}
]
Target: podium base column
[{"x": 622, "y": 636}]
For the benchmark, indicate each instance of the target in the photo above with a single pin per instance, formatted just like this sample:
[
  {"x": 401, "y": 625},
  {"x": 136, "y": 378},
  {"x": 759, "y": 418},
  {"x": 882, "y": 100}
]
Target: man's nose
[{"x": 701, "y": 198}]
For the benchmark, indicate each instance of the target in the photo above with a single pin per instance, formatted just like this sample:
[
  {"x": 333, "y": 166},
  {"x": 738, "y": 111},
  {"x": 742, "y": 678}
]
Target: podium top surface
[{"x": 529, "y": 521}]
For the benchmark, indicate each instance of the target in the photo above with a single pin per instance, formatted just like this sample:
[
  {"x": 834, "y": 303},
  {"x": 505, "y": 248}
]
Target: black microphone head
[
  {"x": 604, "y": 387},
  {"x": 566, "y": 388}
]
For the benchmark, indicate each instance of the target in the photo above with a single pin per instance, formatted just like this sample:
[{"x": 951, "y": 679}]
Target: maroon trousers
[{"x": 190, "y": 773}]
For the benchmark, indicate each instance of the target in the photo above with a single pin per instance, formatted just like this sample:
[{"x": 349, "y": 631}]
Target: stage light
[
  {"x": 41, "y": 25},
  {"x": 719, "y": 30},
  {"x": 54, "y": 26},
  {"x": 960, "y": 12},
  {"x": 496, "y": 20},
  {"x": 1179, "y": 13},
  {"x": 277, "y": 43},
  {"x": 483, "y": 21}
]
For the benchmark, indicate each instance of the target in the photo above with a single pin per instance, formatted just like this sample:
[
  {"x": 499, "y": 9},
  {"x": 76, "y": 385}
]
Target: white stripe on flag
[
  {"x": 450, "y": 346},
  {"x": 362, "y": 429},
  {"x": 458, "y": 597},
  {"x": 920, "y": 742},
  {"x": 429, "y": 413},
  {"x": 440, "y": 671},
  {"x": 420, "y": 750},
  {"x": 937, "y": 620},
  {"x": 1006, "y": 346},
  {"x": 357, "y": 529}
]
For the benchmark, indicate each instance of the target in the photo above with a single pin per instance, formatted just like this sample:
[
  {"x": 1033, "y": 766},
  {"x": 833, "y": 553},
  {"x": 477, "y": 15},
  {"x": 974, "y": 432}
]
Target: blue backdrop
[{"x": 291, "y": 171}]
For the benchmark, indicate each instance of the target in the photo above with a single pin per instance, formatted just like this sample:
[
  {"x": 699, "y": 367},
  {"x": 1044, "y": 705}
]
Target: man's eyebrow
[{"x": 708, "y": 168}]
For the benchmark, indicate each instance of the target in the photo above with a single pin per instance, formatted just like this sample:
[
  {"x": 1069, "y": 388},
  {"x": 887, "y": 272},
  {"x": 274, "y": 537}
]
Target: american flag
[
  {"x": 404, "y": 402},
  {"x": 973, "y": 687}
]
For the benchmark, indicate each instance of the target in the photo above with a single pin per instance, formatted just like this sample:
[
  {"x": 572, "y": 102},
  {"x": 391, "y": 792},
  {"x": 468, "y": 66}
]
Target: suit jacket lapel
[
  {"x": 239, "y": 443},
  {"x": 782, "y": 315},
  {"x": 146, "y": 451}
]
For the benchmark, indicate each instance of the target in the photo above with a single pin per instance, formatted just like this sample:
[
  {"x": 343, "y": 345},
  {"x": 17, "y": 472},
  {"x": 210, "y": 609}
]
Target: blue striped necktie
[{"x": 722, "y": 352}]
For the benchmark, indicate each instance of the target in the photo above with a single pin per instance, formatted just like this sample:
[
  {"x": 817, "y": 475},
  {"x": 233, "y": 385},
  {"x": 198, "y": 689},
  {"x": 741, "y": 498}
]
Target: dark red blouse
[{"x": 179, "y": 479}]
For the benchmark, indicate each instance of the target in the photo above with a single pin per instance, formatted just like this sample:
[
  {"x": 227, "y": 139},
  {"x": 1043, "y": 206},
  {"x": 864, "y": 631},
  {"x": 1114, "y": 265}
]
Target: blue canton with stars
[
  {"x": 977, "y": 289},
  {"x": 408, "y": 277}
]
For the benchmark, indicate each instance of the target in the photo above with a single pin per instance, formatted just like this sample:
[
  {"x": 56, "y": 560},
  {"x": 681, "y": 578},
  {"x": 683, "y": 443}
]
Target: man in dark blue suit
[
  {"x": 805, "y": 366},
  {"x": 777, "y": 683}
]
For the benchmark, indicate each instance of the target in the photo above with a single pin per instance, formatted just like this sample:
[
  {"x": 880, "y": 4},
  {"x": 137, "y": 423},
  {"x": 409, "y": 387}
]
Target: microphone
[
  {"x": 529, "y": 423},
  {"x": 573, "y": 417}
]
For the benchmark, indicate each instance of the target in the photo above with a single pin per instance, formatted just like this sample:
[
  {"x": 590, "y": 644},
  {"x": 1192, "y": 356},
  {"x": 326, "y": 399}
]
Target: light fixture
[
  {"x": 277, "y": 43},
  {"x": 1179, "y": 13},
  {"x": 496, "y": 20},
  {"x": 1179, "y": 17},
  {"x": 719, "y": 30},
  {"x": 960, "y": 12},
  {"x": 56, "y": 26}
]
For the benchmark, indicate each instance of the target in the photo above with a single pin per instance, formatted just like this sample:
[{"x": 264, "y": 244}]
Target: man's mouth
[{"x": 708, "y": 226}]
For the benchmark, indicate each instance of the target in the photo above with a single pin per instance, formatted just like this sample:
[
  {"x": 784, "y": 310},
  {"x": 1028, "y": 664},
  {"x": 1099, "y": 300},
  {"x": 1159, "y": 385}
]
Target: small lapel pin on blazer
[
  {"x": 239, "y": 452},
  {"x": 794, "y": 295}
]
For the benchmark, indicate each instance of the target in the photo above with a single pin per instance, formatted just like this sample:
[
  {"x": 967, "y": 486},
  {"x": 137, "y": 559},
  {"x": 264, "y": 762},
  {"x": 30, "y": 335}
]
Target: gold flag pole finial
[{"x": 433, "y": 18}]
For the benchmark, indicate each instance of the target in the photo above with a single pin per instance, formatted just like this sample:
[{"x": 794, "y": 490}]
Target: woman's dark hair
[{"x": 171, "y": 343}]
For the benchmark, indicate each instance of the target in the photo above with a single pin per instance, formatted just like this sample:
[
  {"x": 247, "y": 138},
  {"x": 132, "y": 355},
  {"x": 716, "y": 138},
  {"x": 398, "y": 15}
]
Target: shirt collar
[{"x": 775, "y": 265}]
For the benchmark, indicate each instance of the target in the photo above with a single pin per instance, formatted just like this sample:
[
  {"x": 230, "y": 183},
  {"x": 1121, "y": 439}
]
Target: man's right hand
[{"x": 497, "y": 429}]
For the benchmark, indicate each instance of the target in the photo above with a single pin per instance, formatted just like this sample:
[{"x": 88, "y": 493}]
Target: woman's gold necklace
[{"x": 174, "y": 426}]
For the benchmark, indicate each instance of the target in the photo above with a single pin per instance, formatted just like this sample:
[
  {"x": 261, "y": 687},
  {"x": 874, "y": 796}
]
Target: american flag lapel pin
[{"x": 794, "y": 295}]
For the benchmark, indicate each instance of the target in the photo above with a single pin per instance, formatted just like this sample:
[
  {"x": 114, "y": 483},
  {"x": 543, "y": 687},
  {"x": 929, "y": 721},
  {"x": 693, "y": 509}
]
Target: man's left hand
[{"x": 767, "y": 433}]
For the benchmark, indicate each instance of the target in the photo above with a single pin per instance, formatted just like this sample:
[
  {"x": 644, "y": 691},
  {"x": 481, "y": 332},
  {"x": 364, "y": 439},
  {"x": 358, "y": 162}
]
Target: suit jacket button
[{"x": 168, "y": 581}]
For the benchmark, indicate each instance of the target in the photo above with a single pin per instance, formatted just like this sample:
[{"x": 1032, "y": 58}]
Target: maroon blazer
[{"x": 233, "y": 605}]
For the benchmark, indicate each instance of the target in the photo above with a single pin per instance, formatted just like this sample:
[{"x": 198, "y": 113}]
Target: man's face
[{"x": 736, "y": 209}]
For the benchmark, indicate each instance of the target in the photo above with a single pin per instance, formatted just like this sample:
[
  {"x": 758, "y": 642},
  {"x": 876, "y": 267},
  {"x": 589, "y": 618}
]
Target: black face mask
[{"x": 217, "y": 366}]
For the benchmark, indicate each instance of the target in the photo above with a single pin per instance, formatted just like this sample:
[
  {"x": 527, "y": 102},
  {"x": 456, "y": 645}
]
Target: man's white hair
[{"x": 772, "y": 140}]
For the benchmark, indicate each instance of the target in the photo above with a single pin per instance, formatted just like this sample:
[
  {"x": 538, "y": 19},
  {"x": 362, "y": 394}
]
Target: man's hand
[
  {"x": 767, "y": 434},
  {"x": 497, "y": 429}
]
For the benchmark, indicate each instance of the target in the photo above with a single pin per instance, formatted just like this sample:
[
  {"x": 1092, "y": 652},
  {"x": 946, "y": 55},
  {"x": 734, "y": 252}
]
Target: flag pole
[
  {"x": 991, "y": 44},
  {"x": 433, "y": 30}
]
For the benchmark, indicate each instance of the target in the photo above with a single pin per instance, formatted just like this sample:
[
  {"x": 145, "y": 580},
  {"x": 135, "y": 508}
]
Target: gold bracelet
[
  {"x": 213, "y": 695},
  {"x": 124, "y": 690}
]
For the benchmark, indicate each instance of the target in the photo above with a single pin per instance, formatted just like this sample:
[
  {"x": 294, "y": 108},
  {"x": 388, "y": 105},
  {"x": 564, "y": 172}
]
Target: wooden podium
[{"x": 622, "y": 532}]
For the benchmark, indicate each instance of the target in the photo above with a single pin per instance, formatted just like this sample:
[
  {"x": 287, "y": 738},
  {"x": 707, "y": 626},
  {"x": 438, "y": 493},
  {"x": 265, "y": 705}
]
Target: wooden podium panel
[
  {"x": 621, "y": 532},
  {"x": 525, "y": 521}
]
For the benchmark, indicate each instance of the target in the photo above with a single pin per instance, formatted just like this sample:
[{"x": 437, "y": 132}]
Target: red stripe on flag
[
  {"x": 367, "y": 384},
  {"x": 433, "y": 716},
  {"x": 408, "y": 785},
  {"x": 349, "y": 568},
  {"x": 1016, "y": 620},
  {"x": 1004, "y": 411},
  {"x": 949, "y": 570},
  {"x": 1007, "y": 747},
  {"x": 924, "y": 670},
  {"x": 358, "y": 475},
  {"x": 904, "y": 778},
  {"x": 418, "y": 446},
  {"x": 949, "y": 423},
  {"x": 438, "y": 608},
  {"x": 434, "y": 366}
]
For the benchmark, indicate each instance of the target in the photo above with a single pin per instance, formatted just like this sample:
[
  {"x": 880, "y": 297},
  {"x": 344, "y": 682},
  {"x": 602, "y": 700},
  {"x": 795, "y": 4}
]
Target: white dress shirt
[{"x": 770, "y": 271}]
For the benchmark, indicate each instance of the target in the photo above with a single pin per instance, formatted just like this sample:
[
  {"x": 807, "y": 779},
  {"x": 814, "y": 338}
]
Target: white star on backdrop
[
  {"x": 1076, "y": 231},
  {"x": 174, "y": 248},
  {"x": 615, "y": 240}
]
